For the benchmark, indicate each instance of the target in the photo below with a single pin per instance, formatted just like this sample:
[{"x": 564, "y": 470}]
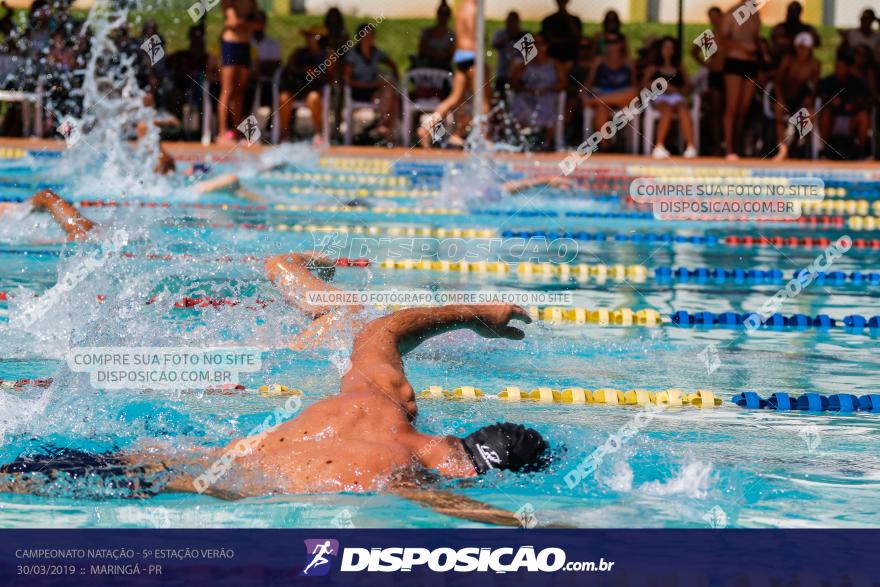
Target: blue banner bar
[{"x": 619, "y": 558}]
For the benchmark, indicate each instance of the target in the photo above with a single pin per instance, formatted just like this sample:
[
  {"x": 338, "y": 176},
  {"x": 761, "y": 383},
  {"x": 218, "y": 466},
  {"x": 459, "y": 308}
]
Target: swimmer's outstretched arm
[
  {"x": 377, "y": 358},
  {"x": 292, "y": 274},
  {"x": 518, "y": 185},
  {"x": 458, "y": 506},
  {"x": 227, "y": 181},
  {"x": 68, "y": 218}
]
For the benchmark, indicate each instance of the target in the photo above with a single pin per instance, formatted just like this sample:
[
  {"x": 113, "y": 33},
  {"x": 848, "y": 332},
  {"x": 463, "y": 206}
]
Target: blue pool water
[{"x": 685, "y": 467}]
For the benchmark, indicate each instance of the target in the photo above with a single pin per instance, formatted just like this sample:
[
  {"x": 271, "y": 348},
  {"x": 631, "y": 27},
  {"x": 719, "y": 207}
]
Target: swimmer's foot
[
  {"x": 455, "y": 142},
  {"x": 782, "y": 153}
]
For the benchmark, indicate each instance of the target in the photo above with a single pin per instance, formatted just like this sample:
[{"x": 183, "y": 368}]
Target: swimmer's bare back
[
  {"x": 466, "y": 25},
  {"x": 363, "y": 439}
]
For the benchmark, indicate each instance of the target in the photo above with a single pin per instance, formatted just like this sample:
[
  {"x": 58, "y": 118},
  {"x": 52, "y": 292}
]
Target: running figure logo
[
  {"x": 154, "y": 49},
  {"x": 526, "y": 46},
  {"x": 707, "y": 44},
  {"x": 801, "y": 122},
  {"x": 69, "y": 129},
  {"x": 250, "y": 129},
  {"x": 317, "y": 553}
]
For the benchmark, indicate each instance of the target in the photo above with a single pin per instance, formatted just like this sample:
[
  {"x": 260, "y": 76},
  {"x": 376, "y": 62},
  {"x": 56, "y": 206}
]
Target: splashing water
[{"x": 114, "y": 108}]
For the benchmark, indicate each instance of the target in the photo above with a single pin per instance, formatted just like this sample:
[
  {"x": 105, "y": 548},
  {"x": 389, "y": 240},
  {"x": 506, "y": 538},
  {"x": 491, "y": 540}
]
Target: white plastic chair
[
  {"x": 425, "y": 78},
  {"x": 8, "y": 67},
  {"x": 276, "y": 109},
  {"x": 559, "y": 129},
  {"x": 652, "y": 115},
  {"x": 349, "y": 105}
]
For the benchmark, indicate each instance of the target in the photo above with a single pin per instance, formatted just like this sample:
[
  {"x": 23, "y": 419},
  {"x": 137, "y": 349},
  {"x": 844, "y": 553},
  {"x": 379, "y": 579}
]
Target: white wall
[
  {"x": 848, "y": 11},
  {"x": 846, "y": 14}
]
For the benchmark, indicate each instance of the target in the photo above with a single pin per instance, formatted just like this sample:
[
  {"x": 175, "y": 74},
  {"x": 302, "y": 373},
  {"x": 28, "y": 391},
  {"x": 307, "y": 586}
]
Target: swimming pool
[{"x": 684, "y": 467}]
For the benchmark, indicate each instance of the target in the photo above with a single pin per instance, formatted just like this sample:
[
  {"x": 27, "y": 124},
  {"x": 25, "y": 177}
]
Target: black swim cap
[{"x": 507, "y": 446}]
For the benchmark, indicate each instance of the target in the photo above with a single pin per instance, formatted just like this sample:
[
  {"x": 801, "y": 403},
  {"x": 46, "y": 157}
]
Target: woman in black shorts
[
  {"x": 741, "y": 47},
  {"x": 240, "y": 21}
]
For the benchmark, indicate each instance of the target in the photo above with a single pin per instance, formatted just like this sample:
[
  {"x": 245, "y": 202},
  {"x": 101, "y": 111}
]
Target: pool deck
[{"x": 192, "y": 150}]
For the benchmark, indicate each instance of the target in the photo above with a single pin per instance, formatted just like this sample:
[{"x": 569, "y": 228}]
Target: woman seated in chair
[
  {"x": 537, "y": 86},
  {"x": 437, "y": 42},
  {"x": 367, "y": 84},
  {"x": 304, "y": 78},
  {"x": 673, "y": 101},
  {"x": 611, "y": 84}
]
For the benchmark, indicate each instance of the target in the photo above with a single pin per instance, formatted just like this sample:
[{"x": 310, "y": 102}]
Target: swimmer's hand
[{"x": 491, "y": 321}]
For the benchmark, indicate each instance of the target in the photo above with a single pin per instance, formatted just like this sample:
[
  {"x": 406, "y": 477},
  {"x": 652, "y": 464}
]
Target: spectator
[
  {"x": 61, "y": 56},
  {"x": 267, "y": 49},
  {"x": 235, "y": 49},
  {"x": 711, "y": 54},
  {"x": 563, "y": 32},
  {"x": 151, "y": 74},
  {"x": 268, "y": 56},
  {"x": 611, "y": 83},
  {"x": 38, "y": 33},
  {"x": 337, "y": 38},
  {"x": 580, "y": 71},
  {"x": 366, "y": 82},
  {"x": 504, "y": 42},
  {"x": 150, "y": 28},
  {"x": 797, "y": 81},
  {"x": 437, "y": 43},
  {"x": 611, "y": 29},
  {"x": 673, "y": 101},
  {"x": 303, "y": 80},
  {"x": 187, "y": 69},
  {"x": 537, "y": 85},
  {"x": 845, "y": 95},
  {"x": 864, "y": 35},
  {"x": 741, "y": 43},
  {"x": 337, "y": 34},
  {"x": 864, "y": 67},
  {"x": 646, "y": 56},
  {"x": 783, "y": 34}
]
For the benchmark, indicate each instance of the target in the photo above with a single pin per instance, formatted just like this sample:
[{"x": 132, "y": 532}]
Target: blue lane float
[
  {"x": 646, "y": 238},
  {"x": 853, "y": 323},
  {"x": 665, "y": 274},
  {"x": 809, "y": 402}
]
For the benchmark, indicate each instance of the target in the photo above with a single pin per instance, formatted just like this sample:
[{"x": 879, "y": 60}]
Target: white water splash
[
  {"x": 113, "y": 108},
  {"x": 693, "y": 480}
]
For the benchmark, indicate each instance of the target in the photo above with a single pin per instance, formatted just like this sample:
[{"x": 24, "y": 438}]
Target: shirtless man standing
[{"x": 463, "y": 80}]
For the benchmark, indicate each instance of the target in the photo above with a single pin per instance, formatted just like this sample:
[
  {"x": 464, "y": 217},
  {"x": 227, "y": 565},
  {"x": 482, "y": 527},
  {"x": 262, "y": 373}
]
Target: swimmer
[
  {"x": 363, "y": 439},
  {"x": 230, "y": 182},
  {"x": 520, "y": 185},
  {"x": 74, "y": 224}
]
